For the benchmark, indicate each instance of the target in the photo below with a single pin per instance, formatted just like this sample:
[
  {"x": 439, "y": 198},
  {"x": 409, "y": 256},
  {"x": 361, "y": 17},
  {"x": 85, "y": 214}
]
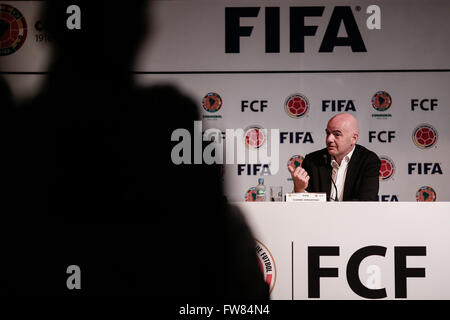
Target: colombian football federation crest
[
  {"x": 387, "y": 168},
  {"x": 13, "y": 29},
  {"x": 426, "y": 193},
  {"x": 296, "y": 105},
  {"x": 254, "y": 137},
  {"x": 266, "y": 264},
  {"x": 424, "y": 136}
]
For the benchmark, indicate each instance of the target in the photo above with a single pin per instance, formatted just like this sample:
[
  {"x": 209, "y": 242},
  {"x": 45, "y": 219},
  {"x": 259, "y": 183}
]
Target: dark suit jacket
[{"x": 361, "y": 182}]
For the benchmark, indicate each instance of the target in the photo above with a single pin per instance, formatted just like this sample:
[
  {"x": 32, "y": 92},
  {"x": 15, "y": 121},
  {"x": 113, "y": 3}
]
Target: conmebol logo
[
  {"x": 250, "y": 195},
  {"x": 212, "y": 102},
  {"x": 295, "y": 161},
  {"x": 381, "y": 101},
  {"x": 426, "y": 193}
]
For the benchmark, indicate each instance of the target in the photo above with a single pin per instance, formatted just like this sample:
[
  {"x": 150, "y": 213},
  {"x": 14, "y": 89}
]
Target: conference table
[{"x": 352, "y": 250}]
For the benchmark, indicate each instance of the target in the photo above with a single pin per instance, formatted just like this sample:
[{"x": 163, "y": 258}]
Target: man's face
[{"x": 340, "y": 137}]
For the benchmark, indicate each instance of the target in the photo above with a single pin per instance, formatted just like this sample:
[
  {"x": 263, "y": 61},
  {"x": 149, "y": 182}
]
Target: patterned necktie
[{"x": 334, "y": 172}]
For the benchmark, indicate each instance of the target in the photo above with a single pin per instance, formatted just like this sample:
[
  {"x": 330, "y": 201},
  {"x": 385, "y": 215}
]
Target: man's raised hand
[{"x": 300, "y": 178}]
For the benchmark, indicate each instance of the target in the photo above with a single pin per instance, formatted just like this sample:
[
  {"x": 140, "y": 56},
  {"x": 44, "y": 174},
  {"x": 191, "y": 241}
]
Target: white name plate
[{"x": 306, "y": 196}]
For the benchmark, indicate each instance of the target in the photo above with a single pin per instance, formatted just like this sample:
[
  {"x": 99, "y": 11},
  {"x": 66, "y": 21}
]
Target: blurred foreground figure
[{"x": 94, "y": 185}]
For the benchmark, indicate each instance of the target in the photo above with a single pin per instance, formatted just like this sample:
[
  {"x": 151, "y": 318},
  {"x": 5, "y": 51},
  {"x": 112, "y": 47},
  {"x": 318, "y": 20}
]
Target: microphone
[{"x": 325, "y": 159}]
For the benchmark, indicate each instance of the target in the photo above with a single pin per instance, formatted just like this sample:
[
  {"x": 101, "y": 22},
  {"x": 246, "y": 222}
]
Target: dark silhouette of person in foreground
[{"x": 94, "y": 185}]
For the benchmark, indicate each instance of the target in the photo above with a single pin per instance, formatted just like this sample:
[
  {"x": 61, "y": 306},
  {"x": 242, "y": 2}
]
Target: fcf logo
[
  {"x": 266, "y": 264},
  {"x": 387, "y": 168},
  {"x": 13, "y": 29},
  {"x": 254, "y": 137},
  {"x": 425, "y": 136},
  {"x": 296, "y": 105}
]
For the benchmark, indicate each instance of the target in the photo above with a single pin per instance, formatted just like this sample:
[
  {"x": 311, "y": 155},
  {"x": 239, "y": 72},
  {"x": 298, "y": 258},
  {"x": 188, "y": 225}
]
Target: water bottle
[{"x": 260, "y": 190}]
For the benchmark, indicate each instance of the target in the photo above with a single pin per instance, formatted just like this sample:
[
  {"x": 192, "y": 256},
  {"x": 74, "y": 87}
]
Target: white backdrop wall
[{"x": 407, "y": 58}]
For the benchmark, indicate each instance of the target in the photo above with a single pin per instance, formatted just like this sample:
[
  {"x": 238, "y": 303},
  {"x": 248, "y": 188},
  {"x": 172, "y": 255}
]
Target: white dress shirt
[{"x": 338, "y": 175}]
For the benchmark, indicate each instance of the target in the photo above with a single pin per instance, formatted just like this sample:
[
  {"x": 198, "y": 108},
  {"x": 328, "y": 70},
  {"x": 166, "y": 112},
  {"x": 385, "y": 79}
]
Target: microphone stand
[{"x": 336, "y": 198}]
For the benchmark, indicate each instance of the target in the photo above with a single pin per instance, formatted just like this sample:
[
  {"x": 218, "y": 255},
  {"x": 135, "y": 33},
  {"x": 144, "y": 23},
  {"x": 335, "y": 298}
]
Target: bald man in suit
[{"x": 345, "y": 170}]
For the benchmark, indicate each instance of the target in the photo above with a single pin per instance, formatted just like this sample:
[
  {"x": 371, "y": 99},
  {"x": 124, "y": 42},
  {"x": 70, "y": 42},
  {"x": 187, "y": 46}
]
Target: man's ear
[{"x": 355, "y": 137}]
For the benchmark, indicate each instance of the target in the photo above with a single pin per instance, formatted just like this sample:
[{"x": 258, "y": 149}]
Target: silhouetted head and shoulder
[{"x": 97, "y": 180}]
